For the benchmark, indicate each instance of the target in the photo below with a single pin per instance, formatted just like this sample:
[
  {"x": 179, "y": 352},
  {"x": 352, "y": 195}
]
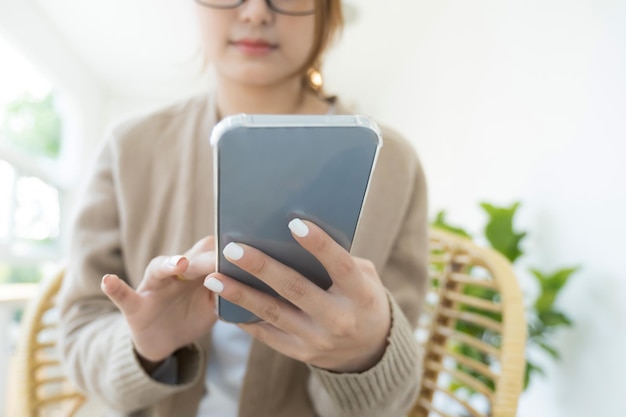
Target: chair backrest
[
  {"x": 43, "y": 388},
  {"x": 473, "y": 332}
]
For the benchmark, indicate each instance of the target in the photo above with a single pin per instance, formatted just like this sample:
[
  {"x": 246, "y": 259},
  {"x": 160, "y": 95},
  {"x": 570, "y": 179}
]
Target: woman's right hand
[{"x": 170, "y": 308}]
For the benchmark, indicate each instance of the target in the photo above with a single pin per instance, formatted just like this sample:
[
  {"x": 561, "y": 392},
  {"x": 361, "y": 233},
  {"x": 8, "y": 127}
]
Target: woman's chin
[{"x": 258, "y": 79}]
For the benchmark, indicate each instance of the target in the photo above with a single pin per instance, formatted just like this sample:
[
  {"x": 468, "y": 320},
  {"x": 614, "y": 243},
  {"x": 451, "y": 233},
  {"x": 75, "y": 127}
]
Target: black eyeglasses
[{"x": 290, "y": 7}]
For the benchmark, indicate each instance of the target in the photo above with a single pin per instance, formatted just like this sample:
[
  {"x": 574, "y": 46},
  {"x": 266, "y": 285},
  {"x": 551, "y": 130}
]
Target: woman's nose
[{"x": 256, "y": 12}]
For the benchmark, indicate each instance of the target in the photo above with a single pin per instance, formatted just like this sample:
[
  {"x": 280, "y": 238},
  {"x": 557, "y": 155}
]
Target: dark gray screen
[{"x": 270, "y": 175}]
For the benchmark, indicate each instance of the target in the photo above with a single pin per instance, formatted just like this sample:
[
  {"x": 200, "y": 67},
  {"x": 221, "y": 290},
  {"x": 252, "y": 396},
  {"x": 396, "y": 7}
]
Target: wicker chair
[
  {"x": 473, "y": 331},
  {"x": 43, "y": 389},
  {"x": 472, "y": 290}
]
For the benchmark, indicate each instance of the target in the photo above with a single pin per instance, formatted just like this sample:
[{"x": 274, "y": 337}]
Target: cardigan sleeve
[
  {"x": 391, "y": 386},
  {"x": 95, "y": 340}
]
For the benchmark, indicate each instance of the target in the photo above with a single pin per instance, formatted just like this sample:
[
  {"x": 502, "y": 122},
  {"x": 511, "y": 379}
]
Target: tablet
[{"x": 270, "y": 169}]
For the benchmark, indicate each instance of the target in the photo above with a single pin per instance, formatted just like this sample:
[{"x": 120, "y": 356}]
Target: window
[
  {"x": 30, "y": 145},
  {"x": 29, "y": 225}
]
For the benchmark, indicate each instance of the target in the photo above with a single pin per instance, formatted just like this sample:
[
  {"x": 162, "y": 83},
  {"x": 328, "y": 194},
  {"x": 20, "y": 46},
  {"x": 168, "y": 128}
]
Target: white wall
[{"x": 525, "y": 101}]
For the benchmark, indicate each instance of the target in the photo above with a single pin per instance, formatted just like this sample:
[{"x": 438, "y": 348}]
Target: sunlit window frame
[
  {"x": 13, "y": 250},
  {"x": 26, "y": 164}
]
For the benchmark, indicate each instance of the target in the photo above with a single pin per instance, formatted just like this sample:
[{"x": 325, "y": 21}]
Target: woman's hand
[
  {"x": 343, "y": 329},
  {"x": 170, "y": 308}
]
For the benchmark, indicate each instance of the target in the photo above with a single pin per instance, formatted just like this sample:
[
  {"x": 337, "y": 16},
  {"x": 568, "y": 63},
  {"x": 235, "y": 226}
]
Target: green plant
[{"x": 544, "y": 319}]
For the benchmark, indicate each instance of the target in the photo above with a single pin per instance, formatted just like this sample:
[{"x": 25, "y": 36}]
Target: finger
[
  {"x": 266, "y": 307},
  {"x": 166, "y": 267},
  {"x": 200, "y": 266},
  {"x": 122, "y": 295},
  {"x": 285, "y": 281},
  {"x": 335, "y": 259}
]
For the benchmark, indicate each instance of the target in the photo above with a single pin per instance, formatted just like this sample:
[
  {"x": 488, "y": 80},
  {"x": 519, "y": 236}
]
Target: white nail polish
[
  {"x": 173, "y": 261},
  {"x": 105, "y": 279},
  {"x": 214, "y": 285},
  {"x": 298, "y": 228},
  {"x": 233, "y": 251}
]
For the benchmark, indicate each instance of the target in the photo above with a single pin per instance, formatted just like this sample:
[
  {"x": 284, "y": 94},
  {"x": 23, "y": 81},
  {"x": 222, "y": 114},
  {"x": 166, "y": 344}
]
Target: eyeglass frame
[{"x": 269, "y": 5}]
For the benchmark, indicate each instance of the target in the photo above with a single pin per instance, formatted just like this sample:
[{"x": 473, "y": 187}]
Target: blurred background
[{"x": 505, "y": 101}]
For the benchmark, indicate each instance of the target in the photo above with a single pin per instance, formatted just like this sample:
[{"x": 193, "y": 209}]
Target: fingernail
[
  {"x": 105, "y": 281},
  {"x": 174, "y": 260},
  {"x": 105, "y": 278},
  {"x": 298, "y": 228},
  {"x": 233, "y": 251},
  {"x": 214, "y": 284}
]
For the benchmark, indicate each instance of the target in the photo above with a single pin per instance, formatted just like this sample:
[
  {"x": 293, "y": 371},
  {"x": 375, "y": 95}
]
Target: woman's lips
[{"x": 254, "y": 46}]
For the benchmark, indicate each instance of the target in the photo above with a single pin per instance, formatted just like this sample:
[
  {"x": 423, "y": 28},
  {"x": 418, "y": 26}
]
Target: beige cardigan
[{"x": 151, "y": 194}]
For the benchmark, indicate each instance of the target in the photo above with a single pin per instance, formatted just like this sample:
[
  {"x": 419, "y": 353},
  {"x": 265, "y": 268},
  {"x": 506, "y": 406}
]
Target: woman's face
[{"x": 253, "y": 45}]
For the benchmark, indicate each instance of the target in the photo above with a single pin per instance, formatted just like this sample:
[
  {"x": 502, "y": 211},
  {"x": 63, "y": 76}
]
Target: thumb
[{"x": 122, "y": 295}]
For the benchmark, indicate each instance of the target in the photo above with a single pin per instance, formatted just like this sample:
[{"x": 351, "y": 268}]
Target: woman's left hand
[{"x": 343, "y": 329}]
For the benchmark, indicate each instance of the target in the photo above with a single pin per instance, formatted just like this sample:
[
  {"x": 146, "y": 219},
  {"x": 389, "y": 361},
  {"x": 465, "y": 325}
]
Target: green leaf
[
  {"x": 557, "y": 279},
  {"x": 470, "y": 329},
  {"x": 470, "y": 352},
  {"x": 455, "y": 386},
  {"x": 554, "y": 318},
  {"x": 551, "y": 285},
  {"x": 441, "y": 223},
  {"x": 535, "y": 331},
  {"x": 531, "y": 369},
  {"x": 550, "y": 350},
  {"x": 499, "y": 230}
]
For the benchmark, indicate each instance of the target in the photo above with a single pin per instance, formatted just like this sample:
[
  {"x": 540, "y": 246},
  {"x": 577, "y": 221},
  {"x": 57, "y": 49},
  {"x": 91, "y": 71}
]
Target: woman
[{"x": 139, "y": 328}]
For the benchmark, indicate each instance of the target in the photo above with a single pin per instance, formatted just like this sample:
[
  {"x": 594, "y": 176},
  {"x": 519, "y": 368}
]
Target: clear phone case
[{"x": 270, "y": 169}]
